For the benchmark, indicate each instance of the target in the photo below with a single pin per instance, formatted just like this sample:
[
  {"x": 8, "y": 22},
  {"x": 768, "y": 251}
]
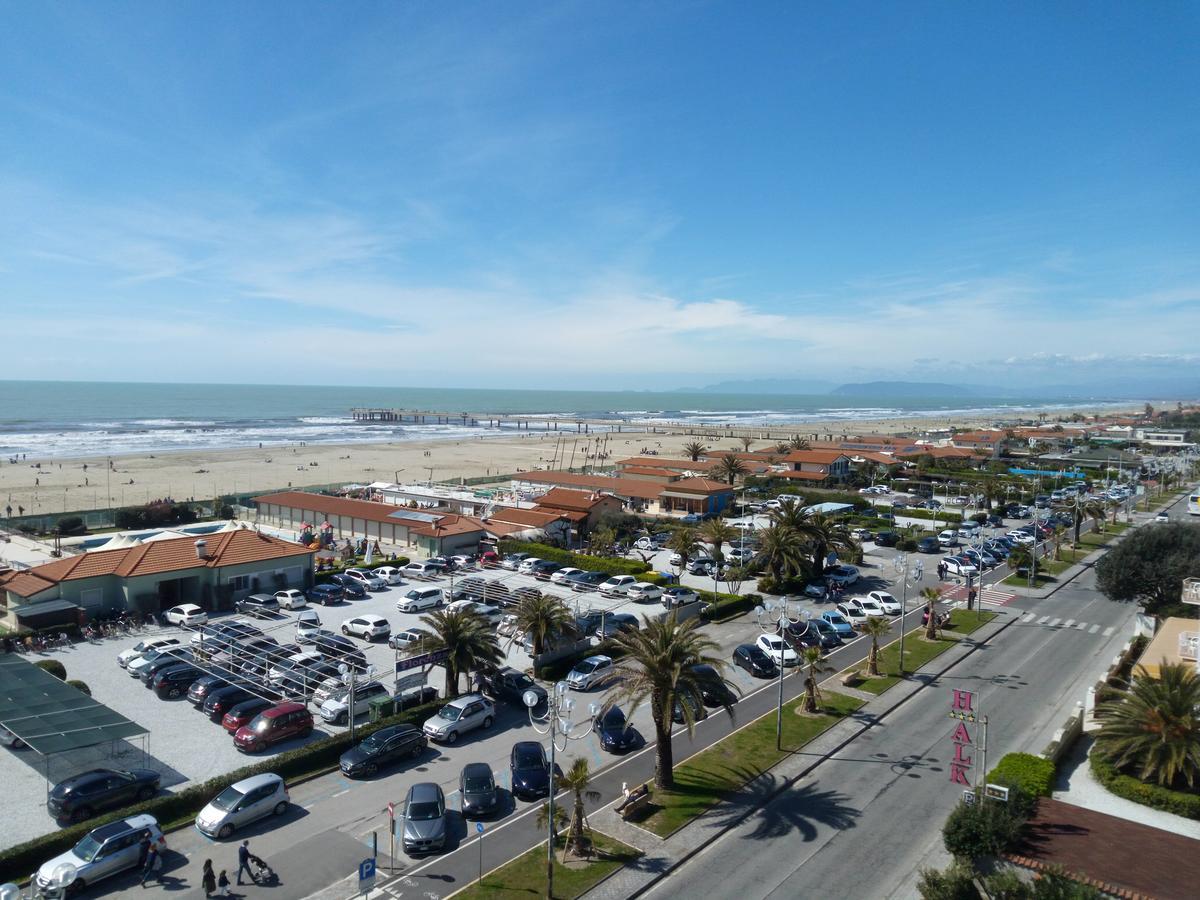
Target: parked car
[
  {"x": 887, "y": 539},
  {"x": 368, "y": 627},
  {"x": 525, "y": 566},
  {"x": 125, "y": 657},
  {"x": 513, "y": 560},
  {"x": 152, "y": 662},
  {"x": 470, "y": 588},
  {"x": 221, "y": 700},
  {"x": 459, "y": 716},
  {"x": 889, "y": 604},
  {"x": 714, "y": 691},
  {"x": 841, "y": 574},
  {"x": 308, "y": 624},
  {"x": 338, "y": 710},
  {"x": 424, "y": 825},
  {"x": 754, "y": 660},
  {"x": 368, "y": 580},
  {"x": 520, "y": 595},
  {"x": 830, "y": 636},
  {"x": 243, "y": 802},
  {"x": 81, "y": 796},
  {"x": 202, "y": 686},
  {"x": 544, "y": 568},
  {"x": 509, "y": 685},
  {"x": 800, "y": 637},
  {"x": 272, "y": 726},
  {"x": 777, "y": 650},
  {"x": 477, "y": 788},
  {"x": 244, "y": 713},
  {"x": 326, "y": 594},
  {"x": 291, "y": 599},
  {"x": 390, "y": 574},
  {"x": 281, "y": 667},
  {"x": 564, "y": 575},
  {"x": 586, "y": 581},
  {"x": 406, "y": 639},
  {"x": 869, "y": 606},
  {"x": 483, "y": 610},
  {"x": 421, "y": 570},
  {"x": 589, "y": 672},
  {"x": 852, "y": 613},
  {"x": 350, "y": 587},
  {"x": 959, "y": 565},
  {"x": 948, "y": 538},
  {"x": 101, "y": 853},
  {"x": 259, "y": 605},
  {"x": 174, "y": 681},
  {"x": 644, "y": 592},
  {"x": 674, "y": 597},
  {"x": 382, "y": 748},
  {"x": 530, "y": 770},
  {"x": 187, "y": 614},
  {"x": 617, "y": 585},
  {"x": 617, "y": 735}
]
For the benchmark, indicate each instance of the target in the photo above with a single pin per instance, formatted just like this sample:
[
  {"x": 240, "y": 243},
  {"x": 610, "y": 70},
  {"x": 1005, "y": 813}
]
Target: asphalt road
[{"x": 867, "y": 820}]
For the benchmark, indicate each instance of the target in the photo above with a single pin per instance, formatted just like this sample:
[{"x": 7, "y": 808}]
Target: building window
[{"x": 240, "y": 582}]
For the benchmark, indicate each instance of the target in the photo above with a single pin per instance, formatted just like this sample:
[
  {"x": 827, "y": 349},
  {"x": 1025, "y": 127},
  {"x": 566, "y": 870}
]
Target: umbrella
[{"x": 367, "y": 558}]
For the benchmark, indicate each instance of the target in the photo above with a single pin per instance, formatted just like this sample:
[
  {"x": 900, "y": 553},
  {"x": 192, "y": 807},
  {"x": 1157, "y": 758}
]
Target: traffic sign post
[
  {"x": 366, "y": 875},
  {"x": 479, "y": 840},
  {"x": 392, "y": 836}
]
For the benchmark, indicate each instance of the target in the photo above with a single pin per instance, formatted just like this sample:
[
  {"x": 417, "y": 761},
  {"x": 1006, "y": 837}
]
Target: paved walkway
[{"x": 663, "y": 855}]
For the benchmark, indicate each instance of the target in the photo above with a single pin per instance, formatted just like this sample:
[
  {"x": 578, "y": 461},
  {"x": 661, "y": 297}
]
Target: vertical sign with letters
[{"x": 962, "y": 708}]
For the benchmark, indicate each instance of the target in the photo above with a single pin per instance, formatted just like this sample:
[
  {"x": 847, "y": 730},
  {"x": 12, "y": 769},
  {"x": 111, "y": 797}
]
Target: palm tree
[
  {"x": 875, "y": 627},
  {"x": 731, "y": 468},
  {"x": 1056, "y": 538},
  {"x": 824, "y": 534},
  {"x": 798, "y": 443},
  {"x": 1155, "y": 727},
  {"x": 468, "y": 636},
  {"x": 716, "y": 533},
  {"x": 789, "y": 514},
  {"x": 814, "y": 665},
  {"x": 683, "y": 542},
  {"x": 783, "y": 448},
  {"x": 693, "y": 450},
  {"x": 746, "y": 443},
  {"x": 578, "y": 780},
  {"x": 781, "y": 551},
  {"x": 542, "y": 617},
  {"x": 1080, "y": 510},
  {"x": 931, "y": 596},
  {"x": 656, "y": 668},
  {"x": 603, "y": 542}
]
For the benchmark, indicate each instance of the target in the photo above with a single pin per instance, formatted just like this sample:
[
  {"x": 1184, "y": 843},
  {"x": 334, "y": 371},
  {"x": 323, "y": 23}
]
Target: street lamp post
[
  {"x": 556, "y": 722},
  {"x": 778, "y": 625},
  {"x": 900, "y": 564}
]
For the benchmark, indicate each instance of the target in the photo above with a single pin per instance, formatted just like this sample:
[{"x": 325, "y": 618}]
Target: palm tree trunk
[
  {"x": 451, "y": 681},
  {"x": 577, "y": 843},
  {"x": 873, "y": 659},
  {"x": 931, "y": 625},
  {"x": 664, "y": 771},
  {"x": 810, "y": 694}
]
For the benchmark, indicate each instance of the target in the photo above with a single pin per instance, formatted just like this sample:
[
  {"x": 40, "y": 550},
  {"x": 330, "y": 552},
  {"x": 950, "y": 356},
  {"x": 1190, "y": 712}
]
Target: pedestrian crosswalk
[
  {"x": 988, "y": 596},
  {"x": 1056, "y": 622}
]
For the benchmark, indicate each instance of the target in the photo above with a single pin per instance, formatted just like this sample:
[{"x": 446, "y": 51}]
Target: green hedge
[
  {"x": 908, "y": 512},
  {"x": 609, "y": 565},
  {"x": 1152, "y": 795},
  {"x": 726, "y": 606},
  {"x": 322, "y": 577},
  {"x": 19, "y": 862},
  {"x": 1032, "y": 774}
]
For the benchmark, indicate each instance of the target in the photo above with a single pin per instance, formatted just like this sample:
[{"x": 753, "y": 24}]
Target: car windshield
[
  {"x": 420, "y": 812},
  {"x": 585, "y": 667},
  {"x": 528, "y": 759},
  {"x": 228, "y": 798},
  {"x": 87, "y": 848},
  {"x": 450, "y": 713},
  {"x": 261, "y": 724},
  {"x": 477, "y": 784},
  {"x": 836, "y": 619}
]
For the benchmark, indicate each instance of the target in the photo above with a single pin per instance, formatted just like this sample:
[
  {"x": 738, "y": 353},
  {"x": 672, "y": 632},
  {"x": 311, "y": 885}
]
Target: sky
[{"x": 599, "y": 195}]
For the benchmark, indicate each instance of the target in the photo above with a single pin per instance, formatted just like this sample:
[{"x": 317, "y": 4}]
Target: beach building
[
  {"x": 817, "y": 467},
  {"x": 149, "y": 577},
  {"x": 680, "y": 495},
  {"x": 991, "y": 442},
  {"x": 583, "y": 509}
]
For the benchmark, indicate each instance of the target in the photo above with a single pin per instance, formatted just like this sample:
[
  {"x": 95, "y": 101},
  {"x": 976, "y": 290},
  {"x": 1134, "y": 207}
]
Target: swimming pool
[{"x": 92, "y": 543}]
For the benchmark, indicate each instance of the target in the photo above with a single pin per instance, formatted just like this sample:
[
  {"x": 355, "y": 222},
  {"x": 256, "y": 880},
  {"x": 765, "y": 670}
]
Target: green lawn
[
  {"x": 727, "y": 765},
  {"x": 918, "y": 651},
  {"x": 525, "y": 876}
]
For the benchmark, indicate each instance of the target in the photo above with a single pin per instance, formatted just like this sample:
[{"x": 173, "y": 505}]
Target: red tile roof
[
  {"x": 574, "y": 515},
  {"x": 647, "y": 470},
  {"x": 448, "y": 525},
  {"x": 527, "y": 518},
  {"x": 621, "y": 487},
  {"x": 803, "y": 476},
  {"x": 675, "y": 465},
  {"x": 822, "y": 457},
  {"x": 697, "y": 486},
  {"x": 562, "y": 498},
  {"x": 341, "y": 506}
]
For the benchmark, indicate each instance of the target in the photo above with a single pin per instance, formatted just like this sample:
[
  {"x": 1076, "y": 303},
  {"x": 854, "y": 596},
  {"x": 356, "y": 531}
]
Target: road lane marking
[
  {"x": 1109, "y": 630},
  {"x": 1043, "y": 620},
  {"x": 1053, "y": 623},
  {"x": 1069, "y": 623},
  {"x": 1081, "y": 626},
  {"x": 1025, "y": 620},
  {"x": 1093, "y": 629},
  {"x": 339, "y": 793}
]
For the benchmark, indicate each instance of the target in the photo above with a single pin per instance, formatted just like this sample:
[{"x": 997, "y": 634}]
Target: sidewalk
[{"x": 661, "y": 855}]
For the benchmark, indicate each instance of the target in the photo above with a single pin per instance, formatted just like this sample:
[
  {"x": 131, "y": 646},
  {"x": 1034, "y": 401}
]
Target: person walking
[
  {"x": 223, "y": 884},
  {"x": 208, "y": 880},
  {"x": 152, "y": 864},
  {"x": 244, "y": 861},
  {"x": 143, "y": 849}
]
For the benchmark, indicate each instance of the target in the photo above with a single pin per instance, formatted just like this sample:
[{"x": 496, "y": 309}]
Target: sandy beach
[{"x": 60, "y": 485}]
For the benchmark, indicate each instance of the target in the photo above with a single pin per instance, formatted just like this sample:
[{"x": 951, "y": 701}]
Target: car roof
[
  {"x": 477, "y": 768},
  {"x": 424, "y": 792},
  {"x": 599, "y": 660},
  {"x": 256, "y": 781},
  {"x": 464, "y": 699},
  {"x": 123, "y": 826},
  {"x": 283, "y": 709}
]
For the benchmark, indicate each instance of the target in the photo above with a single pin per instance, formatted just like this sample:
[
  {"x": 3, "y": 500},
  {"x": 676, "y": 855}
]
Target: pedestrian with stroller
[{"x": 244, "y": 861}]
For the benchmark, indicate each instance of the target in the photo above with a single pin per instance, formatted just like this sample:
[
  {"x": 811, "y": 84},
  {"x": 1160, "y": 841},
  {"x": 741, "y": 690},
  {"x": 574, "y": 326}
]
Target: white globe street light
[{"x": 774, "y": 616}]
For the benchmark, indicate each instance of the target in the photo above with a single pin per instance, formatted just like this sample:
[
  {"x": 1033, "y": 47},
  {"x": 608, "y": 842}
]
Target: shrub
[
  {"x": 906, "y": 545},
  {"x": 54, "y": 667},
  {"x": 725, "y": 606},
  {"x": 70, "y": 525},
  {"x": 955, "y": 883},
  {"x": 1033, "y": 775},
  {"x": 980, "y": 829},
  {"x": 1181, "y": 803},
  {"x": 80, "y": 686}
]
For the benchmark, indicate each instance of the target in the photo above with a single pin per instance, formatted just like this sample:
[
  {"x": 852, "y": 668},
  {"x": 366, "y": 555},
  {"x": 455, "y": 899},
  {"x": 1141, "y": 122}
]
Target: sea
[{"x": 73, "y": 419}]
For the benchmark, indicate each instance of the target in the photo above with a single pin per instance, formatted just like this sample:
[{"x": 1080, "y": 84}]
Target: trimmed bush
[
  {"x": 1033, "y": 775},
  {"x": 981, "y": 829},
  {"x": 54, "y": 667},
  {"x": 938, "y": 515},
  {"x": 17, "y": 863},
  {"x": 718, "y": 607},
  {"x": 80, "y": 686},
  {"x": 608, "y": 565},
  {"x": 1155, "y": 796}
]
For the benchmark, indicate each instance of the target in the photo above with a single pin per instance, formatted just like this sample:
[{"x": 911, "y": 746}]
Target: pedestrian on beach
[
  {"x": 208, "y": 880},
  {"x": 244, "y": 861}
]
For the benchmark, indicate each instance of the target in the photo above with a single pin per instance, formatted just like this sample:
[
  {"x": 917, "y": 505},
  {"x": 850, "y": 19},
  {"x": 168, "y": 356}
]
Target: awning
[
  {"x": 51, "y": 716},
  {"x": 45, "y": 607}
]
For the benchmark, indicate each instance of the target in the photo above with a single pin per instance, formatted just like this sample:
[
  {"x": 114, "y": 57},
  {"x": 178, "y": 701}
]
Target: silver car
[
  {"x": 102, "y": 852},
  {"x": 424, "y": 818},
  {"x": 240, "y": 804},
  {"x": 460, "y": 715}
]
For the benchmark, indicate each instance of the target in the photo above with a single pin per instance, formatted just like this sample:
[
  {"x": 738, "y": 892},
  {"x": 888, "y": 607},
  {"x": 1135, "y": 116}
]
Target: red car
[
  {"x": 489, "y": 558},
  {"x": 244, "y": 713},
  {"x": 271, "y": 726}
]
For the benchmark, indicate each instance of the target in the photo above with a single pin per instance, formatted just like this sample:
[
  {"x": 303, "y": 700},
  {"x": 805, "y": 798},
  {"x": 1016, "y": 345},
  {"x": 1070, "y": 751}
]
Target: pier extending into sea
[{"x": 585, "y": 425}]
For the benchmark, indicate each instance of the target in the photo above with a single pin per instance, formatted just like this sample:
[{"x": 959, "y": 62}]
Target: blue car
[
  {"x": 530, "y": 770},
  {"x": 349, "y": 586},
  {"x": 616, "y": 734},
  {"x": 325, "y": 594},
  {"x": 840, "y": 624}
]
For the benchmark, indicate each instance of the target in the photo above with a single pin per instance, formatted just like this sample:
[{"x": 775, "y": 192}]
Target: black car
[
  {"x": 530, "y": 770},
  {"x": 713, "y": 689},
  {"x": 383, "y": 747},
  {"x": 202, "y": 686},
  {"x": 510, "y": 685},
  {"x": 262, "y": 605},
  {"x": 325, "y": 594},
  {"x": 826, "y": 636},
  {"x": 477, "y": 787},
  {"x": 411, "y": 698},
  {"x": 887, "y": 539},
  {"x": 586, "y": 581},
  {"x": 220, "y": 700},
  {"x": 929, "y": 545},
  {"x": 350, "y": 587},
  {"x": 616, "y": 734},
  {"x": 754, "y": 660},
  {"x": 544, "y": 568},
  {"x": 164, "y": 661},
  {"x": 520, "y": 595},
  {"x": 174, "y": 681},
  {"x": 695, "y": 705},
  {"x": 82, "y": 796},
  {"x": 799, "y": 636},
  {"x": 995, "y": 521}
]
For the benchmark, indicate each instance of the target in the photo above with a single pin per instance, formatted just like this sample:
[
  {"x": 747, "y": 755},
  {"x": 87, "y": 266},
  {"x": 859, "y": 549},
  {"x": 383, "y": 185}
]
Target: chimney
[{"x": 201, "y": 549}]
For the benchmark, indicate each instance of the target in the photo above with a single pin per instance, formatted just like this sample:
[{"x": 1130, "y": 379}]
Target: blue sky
[{"x": 587, "y": 195}]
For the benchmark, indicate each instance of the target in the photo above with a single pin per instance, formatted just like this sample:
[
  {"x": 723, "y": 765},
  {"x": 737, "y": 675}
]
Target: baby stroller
[{"x": 261, "y": 873}]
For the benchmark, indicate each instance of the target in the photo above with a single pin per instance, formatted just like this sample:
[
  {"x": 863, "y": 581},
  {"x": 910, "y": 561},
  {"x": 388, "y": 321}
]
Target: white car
[
  {"x": 367, "y": 627},
  {"x": 587, "y": 673},
  {"x": 420, "y": 598},
  {"x": 561, "y": 576},
  {"x": 869, "y": 606},
  {"x": 390, "y": 574},
  {"x": 957, "y": 566},
  {"x": 462, "y": 561},
  {"x": 1162, "y": 517},
  {"x": 616, "y": 586},
  {"x": 1022, "y": 537},
  {"x": 125, "y": 657},
  {"x": 739, "y": 554},
  {"x": 852, "y": 613},
  {"x": 243, "y": 802},
  {"x": 8, "y": 739},
  {"x": 284, "y": 667},
  {"x": 102, "y": 852},
  {"x": 336, "y": 709},
  {"x": 187, "y": 614},
  {"x": 491, "y": 613},
  {"x": 291, "y": 599},
  {"x": 368, "y": 580},
  {"x": 777, "y": 649},
  {"x": 642, "y": 592},
  {"x": 948, "y": 538},
  {"x": 889, "y": 604},
  {"x": 409, "y": 637},
  {"x": 526, "y": 565},
  {"x": 841, "y": 574},
  {"x": 420, "y": 570}
]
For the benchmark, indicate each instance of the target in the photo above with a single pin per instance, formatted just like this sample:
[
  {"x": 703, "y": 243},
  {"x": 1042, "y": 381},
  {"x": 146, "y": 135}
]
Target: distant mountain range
[{"x": 1180, "y": 388}]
